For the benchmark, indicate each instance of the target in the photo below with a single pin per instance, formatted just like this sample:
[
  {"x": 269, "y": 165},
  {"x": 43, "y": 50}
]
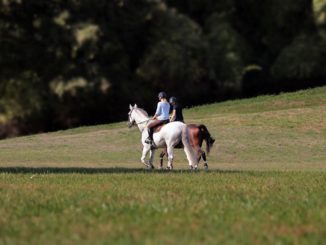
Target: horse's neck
[{"x": 141, "y": 121}]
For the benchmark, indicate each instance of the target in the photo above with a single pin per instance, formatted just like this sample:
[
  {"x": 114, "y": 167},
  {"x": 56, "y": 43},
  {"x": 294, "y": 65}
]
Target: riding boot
[{"x": 149, "y": 140}]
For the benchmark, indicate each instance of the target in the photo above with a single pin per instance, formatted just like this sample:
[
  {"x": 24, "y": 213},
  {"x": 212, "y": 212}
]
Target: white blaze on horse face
[
  {"x": 131, "y": 113},
  {"x": 130, "y": 116}
]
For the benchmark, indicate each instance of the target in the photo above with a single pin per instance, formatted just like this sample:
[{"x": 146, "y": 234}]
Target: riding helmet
[
  {"x": 162, "y": 95},
  {"x": 173, "y": 99}
]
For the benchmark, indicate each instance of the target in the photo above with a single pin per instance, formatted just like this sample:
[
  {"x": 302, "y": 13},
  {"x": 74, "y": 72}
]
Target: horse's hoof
[
  {"x": 148, "y": 165},
  {"x": 206, "y": 166}
]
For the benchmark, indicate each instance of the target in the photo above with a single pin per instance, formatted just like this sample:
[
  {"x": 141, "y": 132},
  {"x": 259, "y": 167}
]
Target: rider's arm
[
  {"x": 158, "y": 111},
  {"x": 173, "y": 116}
]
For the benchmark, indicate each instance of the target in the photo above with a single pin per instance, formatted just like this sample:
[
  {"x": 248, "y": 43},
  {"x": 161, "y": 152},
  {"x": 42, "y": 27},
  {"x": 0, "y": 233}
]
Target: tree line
[{"x": 66, "y": 63}]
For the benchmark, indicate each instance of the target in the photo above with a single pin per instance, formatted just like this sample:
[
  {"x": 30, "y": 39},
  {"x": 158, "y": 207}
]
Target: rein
[{"x": 143, "y": 121}]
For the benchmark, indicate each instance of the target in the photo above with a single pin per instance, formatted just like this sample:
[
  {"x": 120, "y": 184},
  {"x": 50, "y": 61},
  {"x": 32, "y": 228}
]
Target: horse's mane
[{"x": 143, "y": 111}]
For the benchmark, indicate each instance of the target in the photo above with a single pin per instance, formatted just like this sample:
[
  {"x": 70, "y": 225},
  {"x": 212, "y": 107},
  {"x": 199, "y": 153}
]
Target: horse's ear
[
  {"x": 135, "y": 106},
  {"x": 130, "y": 107}
]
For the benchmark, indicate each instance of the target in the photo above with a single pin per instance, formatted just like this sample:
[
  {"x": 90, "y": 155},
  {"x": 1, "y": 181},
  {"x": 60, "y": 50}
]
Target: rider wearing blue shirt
[{"x": 161, "y": 116}]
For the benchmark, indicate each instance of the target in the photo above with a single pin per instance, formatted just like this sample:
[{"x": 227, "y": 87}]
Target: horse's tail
[
  {"x": 191, "y": 156},
  {"x": 207, "y": 137}
]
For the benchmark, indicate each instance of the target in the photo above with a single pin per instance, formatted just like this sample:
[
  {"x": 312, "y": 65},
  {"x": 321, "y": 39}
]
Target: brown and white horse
[
  {"x": 197, "y": 134},
  {"x": 168, "y": 137},
  {"x": 172, "y": 135}
]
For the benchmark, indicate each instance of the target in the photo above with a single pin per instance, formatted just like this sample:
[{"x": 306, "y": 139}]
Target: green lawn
[
  {"x": 151, "y": 207},
  {"x": 266, "y": 183}
]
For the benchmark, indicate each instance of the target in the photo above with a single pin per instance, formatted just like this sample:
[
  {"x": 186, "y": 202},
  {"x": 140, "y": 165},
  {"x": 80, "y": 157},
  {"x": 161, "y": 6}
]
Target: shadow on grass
[{"x": 71, "y": 170}]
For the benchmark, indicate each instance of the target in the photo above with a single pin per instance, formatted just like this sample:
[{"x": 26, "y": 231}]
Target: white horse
[{"x": 169, "y": 136}]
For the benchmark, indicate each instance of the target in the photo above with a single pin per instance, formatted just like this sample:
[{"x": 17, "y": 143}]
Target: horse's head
[
  {"x": 131, "y": 115},
  {"x": 137, "y": 116}
]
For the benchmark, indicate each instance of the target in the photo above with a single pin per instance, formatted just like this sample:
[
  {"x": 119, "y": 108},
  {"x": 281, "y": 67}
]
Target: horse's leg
[
  {"x": 201, "y": 155},
  {"x": 161, "y": 158},
  {"x": 194, "y": 139},
  {"x": 199, "y": 152},
  {"x": 205, "y": 161},
  {"x": 191, "y": 166},
  {"x": 151, "y": 158},
  {"x": 170, "y": 157},
  {"x": 146, "y": 149}
]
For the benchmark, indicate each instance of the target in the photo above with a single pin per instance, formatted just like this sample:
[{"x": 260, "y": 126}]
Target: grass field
[{"x": 266, "y": 183}]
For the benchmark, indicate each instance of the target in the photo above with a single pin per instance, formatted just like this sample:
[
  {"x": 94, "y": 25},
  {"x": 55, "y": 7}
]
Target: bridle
[
  {"x": 142, "y": 121},
  {"x": 134, "y": 122}
]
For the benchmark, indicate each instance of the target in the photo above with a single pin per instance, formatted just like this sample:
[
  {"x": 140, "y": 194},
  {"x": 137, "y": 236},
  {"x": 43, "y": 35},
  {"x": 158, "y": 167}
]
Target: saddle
[{"x": 157, "y": 128}]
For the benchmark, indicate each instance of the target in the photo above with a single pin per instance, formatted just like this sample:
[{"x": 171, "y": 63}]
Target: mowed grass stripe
[{"x": 229, "y": 207}]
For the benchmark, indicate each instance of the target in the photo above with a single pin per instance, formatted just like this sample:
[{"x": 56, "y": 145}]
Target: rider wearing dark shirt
[{"x": 176, "y": 110}]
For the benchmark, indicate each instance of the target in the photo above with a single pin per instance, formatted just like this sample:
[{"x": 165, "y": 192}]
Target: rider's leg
[
  {"x": 150, "y": 133},
  {"x": 150, "y": 127},
  {"x": 149, "y": 139}
]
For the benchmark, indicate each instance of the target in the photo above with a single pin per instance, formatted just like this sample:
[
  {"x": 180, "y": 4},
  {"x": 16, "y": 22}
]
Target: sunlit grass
[
  {"x": 266, "y": 182},
  {"x": 153, "y": 207},
  {"x": 277, "y": 132}
]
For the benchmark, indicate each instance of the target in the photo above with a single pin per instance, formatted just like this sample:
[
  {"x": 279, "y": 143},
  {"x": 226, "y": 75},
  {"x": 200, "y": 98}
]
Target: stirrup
[
  {"x": 153, "y": 146},
  {"x": 148, "y": 141}
]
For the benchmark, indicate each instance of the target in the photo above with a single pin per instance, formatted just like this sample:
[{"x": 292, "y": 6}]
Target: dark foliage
[{"x": 65, "y": 63}]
